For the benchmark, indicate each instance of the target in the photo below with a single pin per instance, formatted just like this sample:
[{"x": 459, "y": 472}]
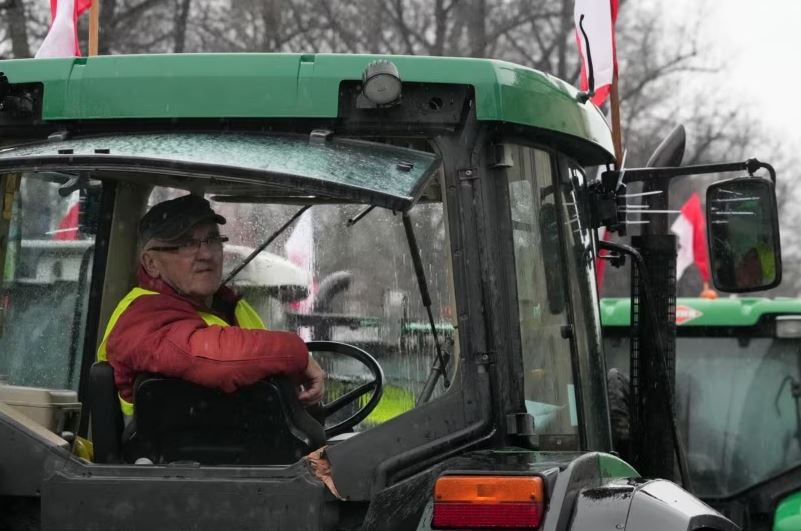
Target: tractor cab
[
  {"x": 426, "y": 225},
  {"x": 737, "y": 374}
]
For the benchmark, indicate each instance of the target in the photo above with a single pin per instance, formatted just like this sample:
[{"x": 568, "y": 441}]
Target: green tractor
[
  {"x": 469, "y": 185},
  {"x": 737, "y": 392}
]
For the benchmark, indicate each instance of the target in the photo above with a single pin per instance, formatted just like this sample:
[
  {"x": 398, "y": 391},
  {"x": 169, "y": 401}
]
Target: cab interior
[{"x": 109, "y": 204}]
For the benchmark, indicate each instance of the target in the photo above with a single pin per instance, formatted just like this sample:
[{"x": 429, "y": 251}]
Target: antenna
[{"x": 590, "y": 71}]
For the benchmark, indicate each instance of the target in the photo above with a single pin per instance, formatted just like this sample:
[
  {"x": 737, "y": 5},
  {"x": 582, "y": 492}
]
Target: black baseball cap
[{"x": 169, "y": 220}]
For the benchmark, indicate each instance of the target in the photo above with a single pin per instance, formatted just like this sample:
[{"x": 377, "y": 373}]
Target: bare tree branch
[{"x": 135, "y": 11}]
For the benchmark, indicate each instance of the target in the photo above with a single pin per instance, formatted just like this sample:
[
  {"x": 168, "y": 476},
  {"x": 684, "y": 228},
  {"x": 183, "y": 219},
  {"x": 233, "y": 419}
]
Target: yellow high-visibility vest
[
  {"x": 767, "y": 261},
  {"x": 246, "y": 317}
]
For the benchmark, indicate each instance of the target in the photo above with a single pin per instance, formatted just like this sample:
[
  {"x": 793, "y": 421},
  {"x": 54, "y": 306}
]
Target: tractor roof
[{"x": 263, "y": 86}]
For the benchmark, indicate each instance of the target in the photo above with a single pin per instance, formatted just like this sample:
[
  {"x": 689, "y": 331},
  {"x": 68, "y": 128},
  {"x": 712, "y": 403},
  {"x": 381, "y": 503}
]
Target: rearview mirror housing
[{"x": 743, "y": 235}]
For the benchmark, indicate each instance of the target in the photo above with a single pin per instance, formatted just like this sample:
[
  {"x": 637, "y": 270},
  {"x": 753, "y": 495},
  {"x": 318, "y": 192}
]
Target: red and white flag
[
  {"x": 68, "y": 225},
  {"x": 299, "y": 248},
  {"x": 598, "y": 21},
  {"x": 690, "y": 227},
  {"x": 62, "y": 38}
]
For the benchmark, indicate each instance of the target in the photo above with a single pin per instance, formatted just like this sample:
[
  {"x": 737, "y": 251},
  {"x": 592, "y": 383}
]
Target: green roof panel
[
  {"x": 290, "y": 86},
  {"x": 729, "y": 311}
]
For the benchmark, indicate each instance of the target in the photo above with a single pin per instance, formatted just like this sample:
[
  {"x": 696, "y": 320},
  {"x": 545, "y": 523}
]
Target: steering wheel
[{"x": 374, "y": 386}]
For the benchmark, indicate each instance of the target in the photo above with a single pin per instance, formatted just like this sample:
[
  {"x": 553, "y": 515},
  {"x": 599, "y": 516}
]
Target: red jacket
[{"x": 164, "y": 334}]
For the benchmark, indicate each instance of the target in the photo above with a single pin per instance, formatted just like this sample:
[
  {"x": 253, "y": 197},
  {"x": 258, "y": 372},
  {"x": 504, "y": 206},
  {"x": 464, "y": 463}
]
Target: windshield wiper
[
  {"x": 355, "y": 219},
  {"x": 440, "y": 366},
  {"x": 264, "y": 245}
]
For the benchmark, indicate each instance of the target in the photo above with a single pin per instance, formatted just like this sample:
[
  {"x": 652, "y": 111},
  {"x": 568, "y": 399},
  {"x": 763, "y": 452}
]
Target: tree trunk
[
  {"x": 108, "y": 10},
  {"x": 440, "y": 28},
  {"x": 478, "y": 28},
  {"x": 181, "y": 16},
  {"x": 17, "y": 30},
  {"x": 271, "y": 18},
  {"x": 564, "y": 38}
]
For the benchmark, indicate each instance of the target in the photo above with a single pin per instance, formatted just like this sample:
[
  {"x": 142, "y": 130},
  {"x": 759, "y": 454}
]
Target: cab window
[
  {"x": 550, "y": 396},
  {"x": 45, "y": 281}
]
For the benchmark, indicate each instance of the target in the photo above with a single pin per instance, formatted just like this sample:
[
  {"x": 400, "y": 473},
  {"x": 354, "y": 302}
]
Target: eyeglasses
[{"x": 192, "y": 245}]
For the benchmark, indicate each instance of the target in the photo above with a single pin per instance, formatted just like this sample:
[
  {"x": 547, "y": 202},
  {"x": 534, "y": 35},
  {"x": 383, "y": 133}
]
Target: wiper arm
[
  {"x": 264, "y": 245},
  {"x": 355, "y": 219},
  {"x": 440, "y": 366}
]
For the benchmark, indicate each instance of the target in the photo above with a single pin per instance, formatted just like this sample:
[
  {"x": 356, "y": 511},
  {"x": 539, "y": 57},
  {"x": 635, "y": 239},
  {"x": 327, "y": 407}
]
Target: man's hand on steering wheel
[
  {"x": 312, "y": 382},
  {"x": 366, "y": 395}
]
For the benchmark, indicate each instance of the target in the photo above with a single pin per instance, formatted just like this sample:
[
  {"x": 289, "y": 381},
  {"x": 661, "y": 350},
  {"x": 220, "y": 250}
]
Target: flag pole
[
  {"x": 94, "y": 26},
  {"x": 614, "y": 103}
]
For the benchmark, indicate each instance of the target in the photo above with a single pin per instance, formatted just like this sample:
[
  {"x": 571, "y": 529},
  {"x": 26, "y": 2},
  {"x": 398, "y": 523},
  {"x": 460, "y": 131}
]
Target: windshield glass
[
  {"x": 331, "y": 279},
  {"x": 737, "y": 406}
]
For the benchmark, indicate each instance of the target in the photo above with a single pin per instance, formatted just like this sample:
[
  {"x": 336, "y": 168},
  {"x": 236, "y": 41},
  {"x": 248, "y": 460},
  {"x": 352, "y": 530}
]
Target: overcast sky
[{"x": 759, "y": 45}]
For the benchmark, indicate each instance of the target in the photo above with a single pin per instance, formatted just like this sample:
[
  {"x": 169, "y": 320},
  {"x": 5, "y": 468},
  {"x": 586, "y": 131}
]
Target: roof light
[
  {"x": 381, "y": 83},
  {"x": 788, "y": 326},
  {"x": 488, "y": 501}
]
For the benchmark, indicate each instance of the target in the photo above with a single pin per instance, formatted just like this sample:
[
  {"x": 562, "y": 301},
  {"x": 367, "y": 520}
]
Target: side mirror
[{"x": 743, "y": 234}]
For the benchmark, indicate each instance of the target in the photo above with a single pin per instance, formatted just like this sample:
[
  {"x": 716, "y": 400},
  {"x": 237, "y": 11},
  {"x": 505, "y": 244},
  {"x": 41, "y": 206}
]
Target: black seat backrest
[
  {"x": 176, "y": 420},
  {"x": 106, "y": 415}
]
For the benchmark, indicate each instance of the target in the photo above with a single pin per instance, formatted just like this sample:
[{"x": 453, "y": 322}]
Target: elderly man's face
[{"x": 195, "y": 272}]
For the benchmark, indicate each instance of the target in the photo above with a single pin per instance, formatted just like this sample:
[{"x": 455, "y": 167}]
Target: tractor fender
[{"x": 644, "y": 505}]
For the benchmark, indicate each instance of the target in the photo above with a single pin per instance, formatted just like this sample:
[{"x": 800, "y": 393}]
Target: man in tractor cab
[{"x": 180, "y": 321}]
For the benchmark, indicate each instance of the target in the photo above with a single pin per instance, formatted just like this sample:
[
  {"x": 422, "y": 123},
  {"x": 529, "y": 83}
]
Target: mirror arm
[
  {"x": 632, "y": 175},
  {"x": 752, "y": 165},
  {"x": 607, "y": 191},
  {"x": 606, "y": 200}
]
